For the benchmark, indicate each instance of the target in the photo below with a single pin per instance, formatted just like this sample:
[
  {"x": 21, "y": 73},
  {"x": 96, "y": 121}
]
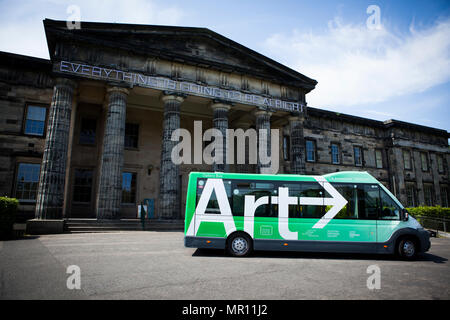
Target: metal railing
[{"x": 434, "y": 223}]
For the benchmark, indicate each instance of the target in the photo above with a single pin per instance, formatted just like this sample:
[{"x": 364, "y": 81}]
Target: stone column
[
  {"x": 109, "y": 194},
  {"x": 263, "y": 123},
  {"x": 398, "y": 175},
  {"x": 50, "y": 197},
  {"x": 169, "y": 190},
  {"x": 417, "y": 163},
  {"x": 245, "y": 167},
  {"x": 435, "y": 174},
  {"x": 221, "y": 123},
  {"x": 297, "y": 145}
]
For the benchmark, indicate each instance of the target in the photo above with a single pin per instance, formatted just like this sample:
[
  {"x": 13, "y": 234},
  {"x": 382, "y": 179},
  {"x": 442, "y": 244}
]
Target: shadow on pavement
[
  {"x": 19, "y": 237},
  {"x": 215, "y": 253}
]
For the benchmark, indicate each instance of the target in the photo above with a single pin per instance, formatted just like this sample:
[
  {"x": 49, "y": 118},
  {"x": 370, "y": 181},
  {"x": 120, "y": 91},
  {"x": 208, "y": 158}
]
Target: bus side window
[
  {"x": 294, "y": 191},
  {"x": 350, "y": 192},
  {"x": 311, "y": 190},
  {"x": 257, "y": 189},
  {"x": 213, "y": 205},
  {"x": 389, "y": 209},
  {"x": 363, "y": 201},
  {"x": 371, "y": 205}
]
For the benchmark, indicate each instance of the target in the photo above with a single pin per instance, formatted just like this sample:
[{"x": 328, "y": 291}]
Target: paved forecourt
[{"x": 156, "y": 265}]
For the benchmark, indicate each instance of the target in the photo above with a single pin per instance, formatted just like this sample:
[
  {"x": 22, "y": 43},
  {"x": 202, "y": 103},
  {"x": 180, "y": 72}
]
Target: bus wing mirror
[{"x": 405, "y": 214}]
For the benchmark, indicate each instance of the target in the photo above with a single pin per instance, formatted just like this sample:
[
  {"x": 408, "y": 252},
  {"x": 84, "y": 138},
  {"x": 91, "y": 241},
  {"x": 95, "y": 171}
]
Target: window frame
[
  {"x": 381, "y": 159},
  {"x": 427, "y": 162},
  {"x": 426, "y": 188},
  {"x": 440, "y": 163},
  {"x": 444, "y": 203},
  {"x": 122, "y": 203},
  {"x": 337, "y": 145},
  {"x": 81, "y": 127},
  {"x": 408, "y": 152},
  {"x": 137, "y": 136},
  {"x": 412, "y": 188},
  {"x": 16, "y": 181},
  {"x": 25, "y": 118},
  {"x": 74, "y": 186},
  {"x": 361, "y": 156},
  {"x": 314, "y": 150}
]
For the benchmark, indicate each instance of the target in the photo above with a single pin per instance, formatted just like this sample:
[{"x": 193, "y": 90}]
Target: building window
[
  {"x": 286, "y": 148},
  {"x": 440, "y": 163},
  {"x": 310, "y": 151},
  {"x": 407, "y": 159},
  {"x": 27, "y": 181},
  {"x": 131, "y": 135},
  {"x": 410, "y": 195},
  {"x": 424, "y": 161},
  {"x": 378, "y": 158},
  {"x": 444, "y": 197},
  {"x": 88, "y": 131},
  {"x": 358, "y": 156},
  {"x": 35, "y": 120},
  {"x": 335, "y": 158},
  {"x": 82, "y": 189},
  {"x": 428, "y": 195},
  {"x": 129, "y": 187}
]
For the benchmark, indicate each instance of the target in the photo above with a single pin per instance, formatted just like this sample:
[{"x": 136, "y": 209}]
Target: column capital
[
  {"x": 172, "y": 96},
  {"x": 220, "y": 105},
  {"x": 293, "y": 118},
  {"x": 261, "y": 112},
  {"x": 61, "y": 82},
  {"x": 112, "y": 89}
]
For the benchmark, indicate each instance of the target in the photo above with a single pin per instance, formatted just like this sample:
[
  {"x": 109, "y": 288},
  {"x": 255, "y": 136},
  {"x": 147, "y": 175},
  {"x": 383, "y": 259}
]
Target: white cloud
[
  {"x": 22, "y": 31},
  {"x": 354, "y": 65}
]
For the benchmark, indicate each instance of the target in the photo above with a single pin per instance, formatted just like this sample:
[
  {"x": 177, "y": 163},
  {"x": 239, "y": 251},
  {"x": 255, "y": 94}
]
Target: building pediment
[{"x": 192, "y": 46}]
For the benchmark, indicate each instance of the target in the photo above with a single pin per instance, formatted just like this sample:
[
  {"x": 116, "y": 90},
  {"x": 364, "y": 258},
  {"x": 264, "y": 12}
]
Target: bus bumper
[
  {"x": 204, "y": 242},
  {"x": 424, "y": 237}
]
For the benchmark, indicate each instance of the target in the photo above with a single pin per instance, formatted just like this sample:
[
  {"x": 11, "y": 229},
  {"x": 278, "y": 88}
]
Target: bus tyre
[
  {"x": 407, "y": 249},
  {"x": 239, "y": 245}
]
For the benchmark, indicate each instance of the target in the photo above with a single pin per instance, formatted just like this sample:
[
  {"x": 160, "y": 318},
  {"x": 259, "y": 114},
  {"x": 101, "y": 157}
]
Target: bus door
[
  {"x": 310, "y": 208},
  {"x": 389, "y": 217},
  {"x": 356, "y": 221}
]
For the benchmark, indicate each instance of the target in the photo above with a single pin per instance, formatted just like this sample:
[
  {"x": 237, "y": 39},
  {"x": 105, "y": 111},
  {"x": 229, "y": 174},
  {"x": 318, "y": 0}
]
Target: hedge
[
  {"x": 434, "y": 212},
  {"x": 8, "y": 210}
]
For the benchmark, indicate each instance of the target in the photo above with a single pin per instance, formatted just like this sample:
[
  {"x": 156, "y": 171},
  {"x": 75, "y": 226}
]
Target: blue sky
[{"x": 400, "y": 70}]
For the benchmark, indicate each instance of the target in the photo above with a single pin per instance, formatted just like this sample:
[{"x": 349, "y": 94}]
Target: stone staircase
[{"x": 93, "y": 225}]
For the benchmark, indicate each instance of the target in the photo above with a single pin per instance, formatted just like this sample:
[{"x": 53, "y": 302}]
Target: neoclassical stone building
[{"x": 87, "y": 134}]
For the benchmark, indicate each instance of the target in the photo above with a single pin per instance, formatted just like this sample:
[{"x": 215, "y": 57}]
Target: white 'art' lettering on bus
[{"x": 337, "y": 201}]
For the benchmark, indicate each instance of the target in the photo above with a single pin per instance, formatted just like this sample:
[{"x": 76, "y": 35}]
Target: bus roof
[{"x": 343, "y": 176}]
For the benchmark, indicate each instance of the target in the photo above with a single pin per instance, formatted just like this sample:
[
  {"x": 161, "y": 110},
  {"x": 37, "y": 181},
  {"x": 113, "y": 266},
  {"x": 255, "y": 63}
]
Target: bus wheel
[
  {"x": 239, "y": 245},
  {"x": 407, "y": 249}
]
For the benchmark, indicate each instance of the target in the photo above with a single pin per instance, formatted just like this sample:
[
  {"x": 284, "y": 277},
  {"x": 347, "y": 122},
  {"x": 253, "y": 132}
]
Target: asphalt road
[{"x": 156, "y": 265}]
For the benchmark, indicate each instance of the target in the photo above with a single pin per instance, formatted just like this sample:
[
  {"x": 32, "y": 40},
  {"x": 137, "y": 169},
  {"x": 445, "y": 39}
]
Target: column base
[{"x": 44, "y": 226}]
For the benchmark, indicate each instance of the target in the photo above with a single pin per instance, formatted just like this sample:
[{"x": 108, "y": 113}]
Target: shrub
[
  {"x": 8, "y": 209},
  {"x": 434, "y": 212}
]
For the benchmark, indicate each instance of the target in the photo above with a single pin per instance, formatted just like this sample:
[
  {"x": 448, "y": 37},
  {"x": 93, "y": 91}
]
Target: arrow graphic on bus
[{"x": 337, "y": 201}]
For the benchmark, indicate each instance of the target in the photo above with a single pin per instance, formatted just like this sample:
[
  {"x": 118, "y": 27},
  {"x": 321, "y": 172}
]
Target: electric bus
[{"x": 339, "y": 212}]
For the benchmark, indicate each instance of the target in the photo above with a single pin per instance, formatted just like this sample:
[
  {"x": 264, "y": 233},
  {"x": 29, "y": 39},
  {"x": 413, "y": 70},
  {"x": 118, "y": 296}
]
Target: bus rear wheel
[
  {"x": 407, "y": 248},
  {"x": 239, "y": 245}
]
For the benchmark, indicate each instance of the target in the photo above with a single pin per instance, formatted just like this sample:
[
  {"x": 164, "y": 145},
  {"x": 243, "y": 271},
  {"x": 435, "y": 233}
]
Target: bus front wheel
[
  {"x": 407, "y": 248},
  {"x": 239, "y": 245}
]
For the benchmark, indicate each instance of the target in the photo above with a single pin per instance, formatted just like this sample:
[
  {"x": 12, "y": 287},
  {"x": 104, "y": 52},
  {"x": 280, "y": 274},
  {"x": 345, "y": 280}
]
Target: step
[{"x": 93, "y": 225}]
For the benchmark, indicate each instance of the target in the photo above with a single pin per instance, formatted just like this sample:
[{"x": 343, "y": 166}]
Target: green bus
[{"x": 338, "y": 212}]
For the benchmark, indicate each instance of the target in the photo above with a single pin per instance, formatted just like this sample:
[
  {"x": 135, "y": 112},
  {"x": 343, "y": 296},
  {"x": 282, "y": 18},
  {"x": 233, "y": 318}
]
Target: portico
[{"x": 118, "y": 106}]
